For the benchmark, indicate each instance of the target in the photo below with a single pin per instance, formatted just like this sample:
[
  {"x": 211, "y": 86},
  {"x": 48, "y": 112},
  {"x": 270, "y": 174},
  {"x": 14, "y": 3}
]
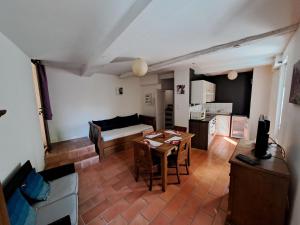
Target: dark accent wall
[{"x": 237, "y": 91}]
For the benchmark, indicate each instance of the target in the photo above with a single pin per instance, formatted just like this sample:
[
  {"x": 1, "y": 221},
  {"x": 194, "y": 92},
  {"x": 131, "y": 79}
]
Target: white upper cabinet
[{"x": 202, "y": 92}]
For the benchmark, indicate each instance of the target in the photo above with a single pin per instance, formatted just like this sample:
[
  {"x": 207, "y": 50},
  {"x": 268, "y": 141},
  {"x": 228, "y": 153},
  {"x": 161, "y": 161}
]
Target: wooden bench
[{"x": 105, "y": 148}]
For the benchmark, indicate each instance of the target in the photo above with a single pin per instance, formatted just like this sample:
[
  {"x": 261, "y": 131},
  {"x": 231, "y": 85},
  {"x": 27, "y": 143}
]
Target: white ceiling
[{"x": 86, "y": 35}]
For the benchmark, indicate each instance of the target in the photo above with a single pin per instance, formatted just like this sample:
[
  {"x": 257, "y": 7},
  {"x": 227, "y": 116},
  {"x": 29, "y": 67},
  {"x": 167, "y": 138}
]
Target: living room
[{"x": 118, "y": 67}]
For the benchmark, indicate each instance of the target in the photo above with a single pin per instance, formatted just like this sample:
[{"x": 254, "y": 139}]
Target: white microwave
[{"x": 198, "y": 115}]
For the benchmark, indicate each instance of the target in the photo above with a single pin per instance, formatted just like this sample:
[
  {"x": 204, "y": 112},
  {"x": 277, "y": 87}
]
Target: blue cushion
[
  {"x": 19, "y": 210},
  {"x": 35, "y": 187}
]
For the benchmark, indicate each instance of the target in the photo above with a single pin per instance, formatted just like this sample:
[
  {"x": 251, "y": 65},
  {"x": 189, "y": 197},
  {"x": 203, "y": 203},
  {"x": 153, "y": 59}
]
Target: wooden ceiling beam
[
  {"x": 228, "y": 45},
  {"x": 136, "y": 9},
  {"x": 159, "y": 65}
]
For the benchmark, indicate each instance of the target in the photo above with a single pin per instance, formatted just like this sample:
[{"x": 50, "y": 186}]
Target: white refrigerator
[{"x": 239, "y": 127}]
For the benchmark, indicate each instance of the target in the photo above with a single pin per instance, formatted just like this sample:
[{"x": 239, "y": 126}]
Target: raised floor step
[{"x": 80, "y": 151}]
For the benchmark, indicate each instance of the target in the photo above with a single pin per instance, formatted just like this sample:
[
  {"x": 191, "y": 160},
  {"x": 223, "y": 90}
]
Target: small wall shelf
[{"x": 2, "y": 112}]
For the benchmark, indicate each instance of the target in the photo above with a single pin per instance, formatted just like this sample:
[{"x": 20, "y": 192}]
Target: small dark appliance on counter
[{"x": 262, "y": 138}]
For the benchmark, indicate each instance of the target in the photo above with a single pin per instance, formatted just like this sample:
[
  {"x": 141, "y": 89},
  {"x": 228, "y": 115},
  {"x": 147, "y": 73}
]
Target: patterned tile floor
[{"x": 108, "y": 193}]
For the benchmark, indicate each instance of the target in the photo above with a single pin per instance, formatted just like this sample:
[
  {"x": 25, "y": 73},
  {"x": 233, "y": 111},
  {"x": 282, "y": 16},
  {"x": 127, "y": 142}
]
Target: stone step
[
  {"x": 86, "y": 162},
  {"x": 70, "y": 146},
  {"x": 71, "y": 155},
  {"x": 80, "y": 151},
  {"x": 68, "y": 161}
]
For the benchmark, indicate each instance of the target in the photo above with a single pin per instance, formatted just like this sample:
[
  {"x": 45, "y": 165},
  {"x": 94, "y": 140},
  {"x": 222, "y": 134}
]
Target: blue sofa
[{"x": 61, "y": 206}]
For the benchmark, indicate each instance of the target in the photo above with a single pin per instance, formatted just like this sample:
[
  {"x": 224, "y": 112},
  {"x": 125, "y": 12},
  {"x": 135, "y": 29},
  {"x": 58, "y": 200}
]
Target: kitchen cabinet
[
  {"x": 202, "y": 91},
  {"x": 211, "y": 130},
  {"x": 204, "y": 131},
  {"x": 223, "y": 123}
]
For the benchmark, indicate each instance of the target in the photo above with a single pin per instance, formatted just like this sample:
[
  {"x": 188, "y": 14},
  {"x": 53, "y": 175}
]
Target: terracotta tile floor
[{"x": 108, "y": 193}]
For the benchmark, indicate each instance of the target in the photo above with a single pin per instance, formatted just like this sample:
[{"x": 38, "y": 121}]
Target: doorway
[
  {"x": 43, "y": 123},
  {"x": 164, "y": 104},
  {"x": 169, "y": 109},
  {"x": 159, "y": 109}
]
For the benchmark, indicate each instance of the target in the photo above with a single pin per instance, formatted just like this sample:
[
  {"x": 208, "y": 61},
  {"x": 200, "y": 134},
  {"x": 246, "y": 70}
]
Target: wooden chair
[
  {"x": 182, "y": 129},
  {"x": 179, "y": 158},
  {"x": 144, "y": 158}
]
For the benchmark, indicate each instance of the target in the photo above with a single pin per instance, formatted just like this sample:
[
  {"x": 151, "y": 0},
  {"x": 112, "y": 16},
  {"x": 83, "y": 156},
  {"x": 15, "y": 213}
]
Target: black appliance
[{"x": 262, "y": 138}]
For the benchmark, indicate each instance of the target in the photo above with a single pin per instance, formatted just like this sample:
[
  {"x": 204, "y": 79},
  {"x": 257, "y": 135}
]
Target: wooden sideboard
[{"x": 258, "y": 195}]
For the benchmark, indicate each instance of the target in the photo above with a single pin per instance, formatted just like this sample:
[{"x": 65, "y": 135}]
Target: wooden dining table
[{"x": 165, "y": 149}]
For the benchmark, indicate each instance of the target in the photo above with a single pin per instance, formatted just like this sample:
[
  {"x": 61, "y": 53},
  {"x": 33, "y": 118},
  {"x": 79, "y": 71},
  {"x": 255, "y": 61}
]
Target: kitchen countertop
[
  {"x": 239, "y": 115},
  {"x": 209, "y": 117},
  {"x": 206, "y": 119},
  {"x": 223, "y": 114}
]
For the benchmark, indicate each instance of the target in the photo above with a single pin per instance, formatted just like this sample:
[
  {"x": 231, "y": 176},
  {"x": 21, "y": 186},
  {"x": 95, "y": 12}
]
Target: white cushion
[
  {"x": 60, "y": 188},
  {"x": 123, "y": 132},
  {"x": 59, "y": 209}
]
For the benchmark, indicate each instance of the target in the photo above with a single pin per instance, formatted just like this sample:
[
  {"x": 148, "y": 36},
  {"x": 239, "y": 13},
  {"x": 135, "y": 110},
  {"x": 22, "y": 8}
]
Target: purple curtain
[{"x": 43, "y": 83}]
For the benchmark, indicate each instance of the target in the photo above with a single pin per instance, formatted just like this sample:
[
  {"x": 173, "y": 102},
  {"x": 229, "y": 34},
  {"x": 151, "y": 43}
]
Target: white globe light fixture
[
  {"x": 139, "y": 67},
  {"x": 232, "y": 75}
]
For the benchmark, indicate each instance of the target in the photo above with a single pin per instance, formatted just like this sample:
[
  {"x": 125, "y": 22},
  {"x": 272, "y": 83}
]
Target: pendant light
[
  {"x": 232, "y": 75},
  {"x": 139, "y": 67}
]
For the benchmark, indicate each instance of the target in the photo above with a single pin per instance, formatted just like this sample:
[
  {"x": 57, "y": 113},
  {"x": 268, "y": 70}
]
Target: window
[{"x": 280, "y": 98}]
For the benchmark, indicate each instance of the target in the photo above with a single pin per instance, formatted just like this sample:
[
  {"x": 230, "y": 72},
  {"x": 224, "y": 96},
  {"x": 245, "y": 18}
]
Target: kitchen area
[{"x": 219, "y": 105}]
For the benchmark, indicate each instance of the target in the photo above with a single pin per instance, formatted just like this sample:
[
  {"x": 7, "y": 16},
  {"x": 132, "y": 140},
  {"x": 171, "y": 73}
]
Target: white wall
[
  {"x": 19, "y": 128},
  {"x": 76, "y": 100},
  {"x": 181, "y": 101},
  {"x": 169, "y": 97},
  {"x": 290, "y": 129},
  {"x": 149, "y": 85},
  {"x": 260, "y": 96},
  {"x": 273, "y": 102}
]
